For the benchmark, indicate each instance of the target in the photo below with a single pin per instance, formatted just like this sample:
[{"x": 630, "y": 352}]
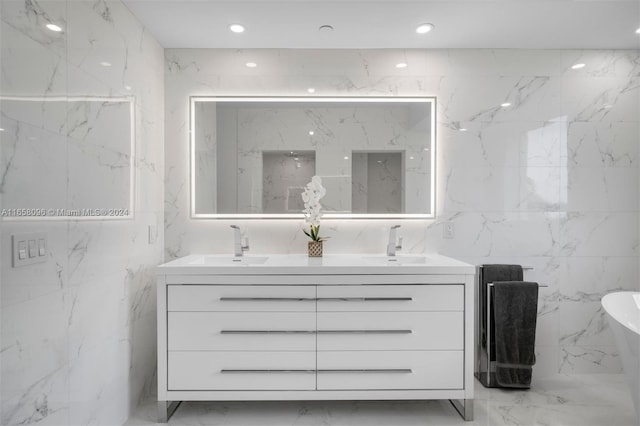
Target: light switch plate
[
  {"x": 153, "y": 234},
  {"x": 29, "y": 248}
]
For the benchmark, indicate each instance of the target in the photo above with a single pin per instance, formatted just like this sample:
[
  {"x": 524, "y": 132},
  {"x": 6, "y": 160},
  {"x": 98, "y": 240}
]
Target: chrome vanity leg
[
  {"x": 166, "y": 410},
  {"x": 464, "y": 407}
]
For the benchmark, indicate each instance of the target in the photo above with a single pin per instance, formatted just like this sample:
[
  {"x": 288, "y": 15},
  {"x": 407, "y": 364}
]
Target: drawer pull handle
[
  {"x": 320, "y": 299},
  {"x": 267, "y": 299},
  {"x": 267, "y": 332},
  {"x": 341, "y": 370},
  {"x": 367, "y": 370},
  {"x": 230, "y": 371},
  {"x": 313, "y": 331},
  {"x": 365, "y": 331},
  {"x": 365, "y": 299}
]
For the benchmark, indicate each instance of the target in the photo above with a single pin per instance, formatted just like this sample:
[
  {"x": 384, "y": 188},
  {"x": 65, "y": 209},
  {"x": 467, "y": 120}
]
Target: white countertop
[{"x": 301, "y": 264}]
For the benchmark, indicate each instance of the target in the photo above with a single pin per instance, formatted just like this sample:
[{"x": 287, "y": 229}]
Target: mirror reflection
[{"x": 252, "y": 157}]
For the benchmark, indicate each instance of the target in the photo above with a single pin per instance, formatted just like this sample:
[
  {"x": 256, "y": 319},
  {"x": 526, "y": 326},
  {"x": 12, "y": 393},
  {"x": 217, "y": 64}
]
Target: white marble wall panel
[
  {"x": 35, "y": 388},
  {"x": 78, "y": 331},
  {"x": 82, "y": 145},
  {"x": 532, "y": 189},
  {"x": 550, "y": 181},
  {"x": 602, "y": 145},
  {"x": 46, "y": 114},
  {"x": 30, "y": 18},
  {"x": 25, "y": 149},
  {"x": 609, "y": 189}
]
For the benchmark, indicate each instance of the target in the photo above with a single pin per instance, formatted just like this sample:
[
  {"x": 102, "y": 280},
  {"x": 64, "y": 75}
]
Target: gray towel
[
  {"x": 516, "y": 311},
  {"x": 492, "y": 273}
]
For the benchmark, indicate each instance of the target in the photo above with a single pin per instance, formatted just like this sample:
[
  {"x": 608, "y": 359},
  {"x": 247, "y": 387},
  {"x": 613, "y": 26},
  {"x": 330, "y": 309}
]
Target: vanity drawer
[
  {"x": 390, "y": 331},
  {"x": 388, "y": 370},
  {"x": 230, "y": 298},
  {"x": 242, "y": 331},
  {"x": 241, "y": 371},
  {"x": 427, "y": 297}
]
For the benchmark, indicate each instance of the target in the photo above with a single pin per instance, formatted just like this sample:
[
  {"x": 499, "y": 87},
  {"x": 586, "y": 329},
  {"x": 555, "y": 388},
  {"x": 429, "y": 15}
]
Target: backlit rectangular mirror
[{"x": 252, "y": 156}]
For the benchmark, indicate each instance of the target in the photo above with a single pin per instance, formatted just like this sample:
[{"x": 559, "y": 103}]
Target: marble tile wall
[
  {"x": 551, "y": 181},
  {"x": 78, "y": 331}
]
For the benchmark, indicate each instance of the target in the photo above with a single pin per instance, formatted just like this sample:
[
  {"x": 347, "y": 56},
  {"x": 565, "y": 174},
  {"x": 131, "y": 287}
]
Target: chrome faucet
[
  {"x": 238, "y": 247},
  {"x": 392, "y": 246}
]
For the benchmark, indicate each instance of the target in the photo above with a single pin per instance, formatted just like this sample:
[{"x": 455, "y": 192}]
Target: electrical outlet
[{"x": 448, "y": 230}]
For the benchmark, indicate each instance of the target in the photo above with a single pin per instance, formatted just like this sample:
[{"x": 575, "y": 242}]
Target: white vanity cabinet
[{"x": 315, "y": 331}]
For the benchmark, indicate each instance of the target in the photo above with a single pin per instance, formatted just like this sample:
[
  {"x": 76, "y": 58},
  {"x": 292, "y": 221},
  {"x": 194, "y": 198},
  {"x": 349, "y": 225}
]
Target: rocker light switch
[
  {"x": 22, "y": 250},
  {"x": 32, "y": 248}
]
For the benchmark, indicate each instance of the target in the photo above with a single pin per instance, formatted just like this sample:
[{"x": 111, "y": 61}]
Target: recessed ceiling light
[
  {"x": 128, "y": 87},
  {"x": 577, "y": 66},
  {"x": 1, "y": 129},
  {"x": 411, "y": 158},
  {"x": 236, "y": 28},
  {"x": 401, "y": 65},
  {"x": 311, "y": 133},
  {"x": 311, "y": 90},
  {"x": 105, "y": 64},
  {"x": 424, "y": 28},
  {"x": 325, "y": 28},
  {"x": 346, "y": 158},
  {"x": 462, "y": 129},
  {"x": 638, "y": 31},
  {"x": 251, "y": 64},
  {"x": 54, "y": 27},
  {"x": 505, "y": 104}
]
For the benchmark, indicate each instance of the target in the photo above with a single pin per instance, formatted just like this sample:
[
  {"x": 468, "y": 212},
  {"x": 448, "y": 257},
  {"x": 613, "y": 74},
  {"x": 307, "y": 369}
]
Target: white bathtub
[{"x": 623, "y": 310}]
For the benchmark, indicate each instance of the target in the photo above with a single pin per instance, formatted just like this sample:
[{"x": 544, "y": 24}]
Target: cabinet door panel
[
  {"x": 236, "y": 298},
  {"x": 391, "y": 298},
  {"x": 390, "y": 370},
  {"x": 339, "y": 331},
  {"x": 261, "y": 331},
  {"x": 241, "y": 371}
]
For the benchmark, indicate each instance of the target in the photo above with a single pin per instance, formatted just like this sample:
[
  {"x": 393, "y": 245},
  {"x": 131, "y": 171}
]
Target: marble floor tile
[{"x": 585, "y": 400}]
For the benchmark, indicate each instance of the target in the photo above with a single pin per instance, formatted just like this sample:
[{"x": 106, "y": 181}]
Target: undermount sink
[
  {"x": 397, "y": 260},
  {"x": 229, "y": 260}
]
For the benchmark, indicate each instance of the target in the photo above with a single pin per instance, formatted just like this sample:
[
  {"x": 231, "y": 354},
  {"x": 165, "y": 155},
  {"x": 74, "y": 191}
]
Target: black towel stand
[{"x": 485, "y": 367}]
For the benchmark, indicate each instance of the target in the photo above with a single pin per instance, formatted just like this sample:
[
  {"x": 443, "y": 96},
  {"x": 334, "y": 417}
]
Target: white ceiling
[{"x": 544, "y": 24}]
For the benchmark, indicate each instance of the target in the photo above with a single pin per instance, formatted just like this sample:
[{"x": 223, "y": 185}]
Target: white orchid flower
[{"x": 311, "y": 196}]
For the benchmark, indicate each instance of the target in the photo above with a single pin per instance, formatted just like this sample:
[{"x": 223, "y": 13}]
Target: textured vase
[{"x": 315, "y": 248}]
